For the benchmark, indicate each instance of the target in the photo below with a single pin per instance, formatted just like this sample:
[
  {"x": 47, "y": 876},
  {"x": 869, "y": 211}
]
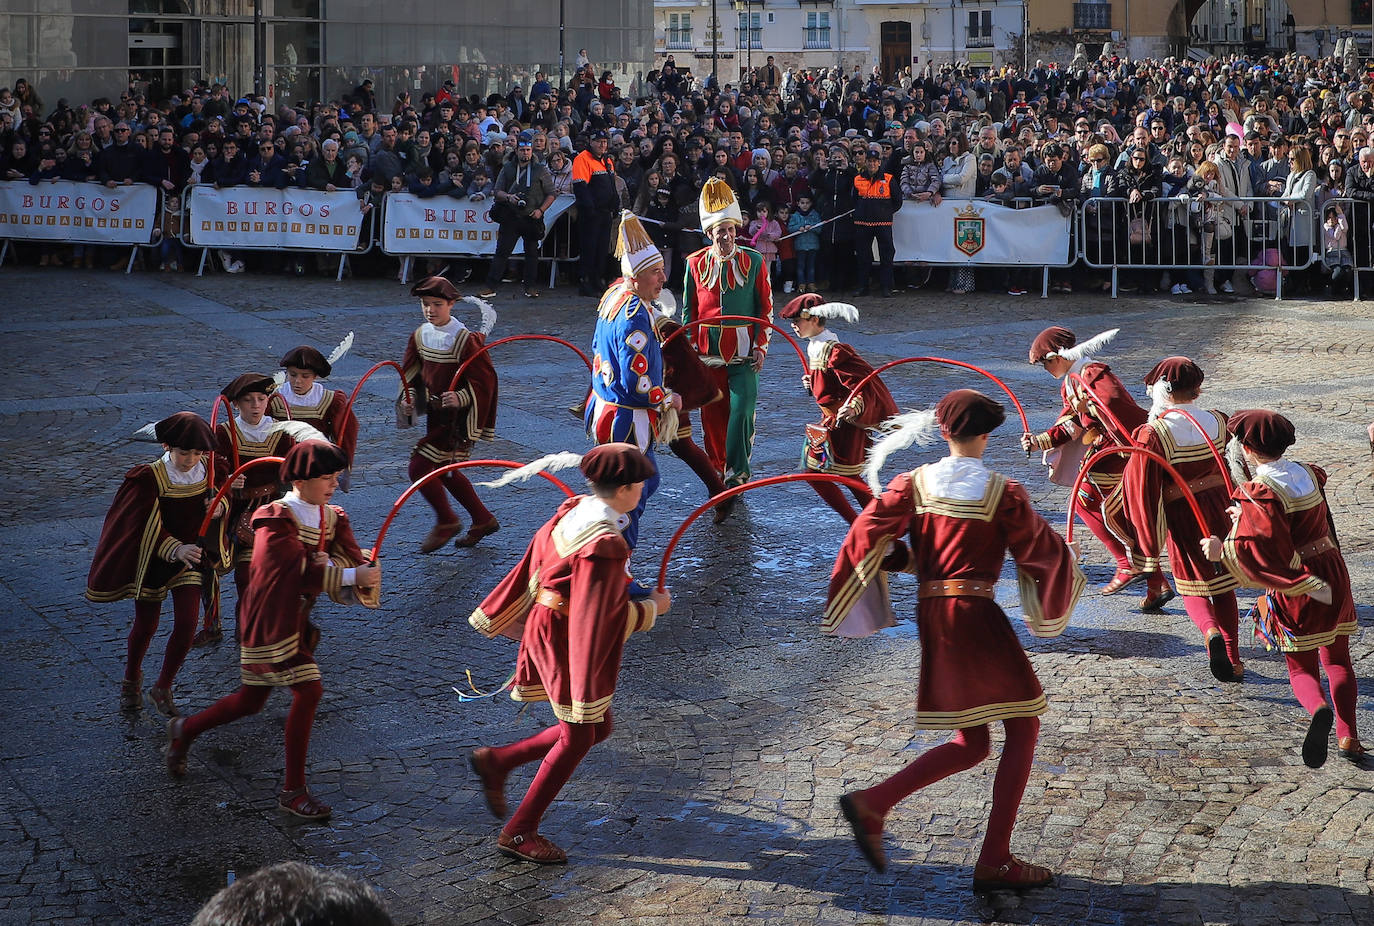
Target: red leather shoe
[
  {"x": 476, "y": 533},
  {"x": 439, "y": 535},
  {"x": 493, "y": 782},
  {"x": 868, "y": 830},
  {"x": 531, "y": 847},
  {"x": 1123, "y": 578},
  {"x": 1014, "y": 875}
]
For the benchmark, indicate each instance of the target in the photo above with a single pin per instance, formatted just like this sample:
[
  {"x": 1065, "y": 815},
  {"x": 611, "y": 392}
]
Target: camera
[
  {"x": 1196, "y": 185},
  {"x": 520, "y": 203}
]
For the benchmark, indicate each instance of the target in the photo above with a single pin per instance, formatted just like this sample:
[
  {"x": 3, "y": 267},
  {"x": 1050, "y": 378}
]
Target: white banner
[
  {"x": 972, "y": 231},
  {"x": 264, "y": 218},
  {"x": 65, "y": 210},
  {"x": 444, "y": 225}
]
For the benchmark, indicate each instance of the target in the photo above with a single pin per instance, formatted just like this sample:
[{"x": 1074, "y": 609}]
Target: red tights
[
  {"x": 249, "y": 699},
  {"x": 1090, "y": 513},
  {"x": 969, "y": 747},
  {"x": 561, "y": 747},
  {"x": 1306, "y": 679},
  {"x": 185, "y": 611},
  {"x": 830, "y": 494},
  {"x": 457, "y": 485},
  {"x": 1220, "y": 613}
]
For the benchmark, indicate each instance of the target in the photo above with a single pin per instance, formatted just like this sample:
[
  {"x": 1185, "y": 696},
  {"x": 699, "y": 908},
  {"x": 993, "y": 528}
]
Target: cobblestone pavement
[{"x": 1159, "y": 795}]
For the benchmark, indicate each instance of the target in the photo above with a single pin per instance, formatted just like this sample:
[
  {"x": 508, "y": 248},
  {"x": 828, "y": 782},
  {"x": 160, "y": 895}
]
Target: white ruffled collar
[
  {"x": 176, "y": 477},
  {"x": 590, "y": 510},
  {"x": 1293, "y": 478},
  {"x": 964, "y": 478},
  {"x": 258, "y": 432},
  {"x": 441, "y": 338},
  {"x": 310, "y": 399},
  {"x": 306, "y": 513},
  {"x": 818, "y": 344}
]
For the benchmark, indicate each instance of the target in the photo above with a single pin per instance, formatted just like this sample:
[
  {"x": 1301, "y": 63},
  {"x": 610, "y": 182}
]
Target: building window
[
  {"x": 750, "y": 30},
  {"x": 818, "y": 30},
  {"x": 980, "y": 29},
  {"x": 679, "y": 30},
  {"x": 1095, "y": 16}
]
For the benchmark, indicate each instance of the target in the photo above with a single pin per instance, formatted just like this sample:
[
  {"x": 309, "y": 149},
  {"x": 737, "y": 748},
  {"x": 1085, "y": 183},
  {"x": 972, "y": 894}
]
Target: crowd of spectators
[{"x": 1175, "y": 166}]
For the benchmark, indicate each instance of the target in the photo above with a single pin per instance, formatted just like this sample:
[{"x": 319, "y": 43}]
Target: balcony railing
[
  {"x": 979, "y": 40},
  {"x": 817, "y": 38},
  {"x": 754, "y": 39},
  {"x": 1094, "y": 16},
  {"x": 679, "y": 38}
]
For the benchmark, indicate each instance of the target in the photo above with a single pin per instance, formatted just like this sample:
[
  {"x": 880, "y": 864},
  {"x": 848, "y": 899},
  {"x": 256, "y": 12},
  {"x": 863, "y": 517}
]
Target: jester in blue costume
[{"x": 628, "y": 399}]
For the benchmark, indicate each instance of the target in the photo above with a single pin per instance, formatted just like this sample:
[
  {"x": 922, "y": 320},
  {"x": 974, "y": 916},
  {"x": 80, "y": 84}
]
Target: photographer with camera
[{"x": 524, "y": 192}]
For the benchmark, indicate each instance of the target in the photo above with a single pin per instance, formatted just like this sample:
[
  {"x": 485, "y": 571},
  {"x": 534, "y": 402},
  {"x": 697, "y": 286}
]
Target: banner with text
[
  {"x": 66, "y": 210},
  {"x": 972, "y": 231},
  {"x": 444, "y": 225},
  {"x": 291, "y": 219}
]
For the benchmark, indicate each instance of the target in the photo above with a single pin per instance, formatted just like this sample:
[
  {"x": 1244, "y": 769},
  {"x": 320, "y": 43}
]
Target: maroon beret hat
[
  {"x": 248, "y": 382},
  {"x": 312, "y": 458},
  {"x": 616, "y": 464},
  {"x": 800, "y": 304},
  {"x": 435, "y": 286},
  {"x": 968, "y": 413},
  {"x": 1263, "y": 431},
  {"x": 1051, "y": 341},
  {"x": 307, "y": 358},
  {"x": 185, "y": 431},
  {"x": 1178, "y": 372}
]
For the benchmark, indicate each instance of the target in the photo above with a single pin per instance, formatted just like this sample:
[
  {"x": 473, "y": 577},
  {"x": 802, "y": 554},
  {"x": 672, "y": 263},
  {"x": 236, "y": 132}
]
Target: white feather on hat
[
  {"x": 666, "y": 304},
  {"x": 298, "y": 430},
  {"x": 1088, "y": 348},
  {"x": 842, "y": 310},
  {"x": 901, "y": 431},
  {"x": 488, "y": 313},
  {"x": 343, "y": 348},
  {"x": 552, "y": 463}
]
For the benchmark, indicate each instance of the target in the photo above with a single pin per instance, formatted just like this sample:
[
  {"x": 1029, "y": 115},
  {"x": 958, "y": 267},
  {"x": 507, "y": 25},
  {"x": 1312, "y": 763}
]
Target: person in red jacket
[{"x": 303, "y": 547}]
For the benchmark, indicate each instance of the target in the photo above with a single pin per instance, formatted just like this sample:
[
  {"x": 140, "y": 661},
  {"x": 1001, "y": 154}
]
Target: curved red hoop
[
  {"x": 233, "y": 433},
  {"x": 954, "y": 363},
  {"x": 352, "y": 396},
  {"x": 224, "y": 489},
  {"x": 463, "y": 367},
  {"x": 1141, "y": 451},
  {"x": 465, "y": 464},
  {"x": 1211, "y": 445},
  {"x": 801, "y": 354},
  {"x": 737, "y": 490}
]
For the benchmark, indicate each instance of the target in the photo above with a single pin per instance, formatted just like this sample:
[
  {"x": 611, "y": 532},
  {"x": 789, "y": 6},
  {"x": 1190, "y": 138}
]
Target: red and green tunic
[{"x": 736, "y": 286}]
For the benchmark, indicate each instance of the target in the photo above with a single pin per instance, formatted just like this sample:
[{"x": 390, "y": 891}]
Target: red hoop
[
  {"x": 352, "y": 396},
  {"x": 463, "y": 367},
  {"x": 224, "y": 489},
  {"x": 1106, "y": 412},
  {"x": 1141, "y": 451},
  {"x": 954, "y": 363},
  {"x": 451, "y": 467},
  {"x": 233, "y": 434},
  {"x": 737, "y": 490},
  {"x": 801, "y": 354}
]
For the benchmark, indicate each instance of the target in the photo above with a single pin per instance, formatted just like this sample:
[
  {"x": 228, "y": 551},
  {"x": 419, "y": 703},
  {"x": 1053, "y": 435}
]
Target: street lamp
[{"x": 747, "y": 8}]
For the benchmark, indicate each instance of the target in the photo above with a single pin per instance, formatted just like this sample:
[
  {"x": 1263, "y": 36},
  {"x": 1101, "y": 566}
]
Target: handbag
[{"x": 1140, "y": 231}]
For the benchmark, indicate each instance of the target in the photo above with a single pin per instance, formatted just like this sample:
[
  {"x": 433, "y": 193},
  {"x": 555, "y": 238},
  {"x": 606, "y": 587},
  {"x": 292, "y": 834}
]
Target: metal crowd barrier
[
  {"x": 559, "y": 246},
  {"x": 1359, "y": 249},
  {"x": 187, "y": 240},
  {"x": 1186, "y": 233}
]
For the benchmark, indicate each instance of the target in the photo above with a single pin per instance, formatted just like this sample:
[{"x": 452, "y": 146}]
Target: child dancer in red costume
[
  {"x": 962, "y": 520},
  {"x": 1284, "y": 540},
  {"x": 567, "y": 602}
]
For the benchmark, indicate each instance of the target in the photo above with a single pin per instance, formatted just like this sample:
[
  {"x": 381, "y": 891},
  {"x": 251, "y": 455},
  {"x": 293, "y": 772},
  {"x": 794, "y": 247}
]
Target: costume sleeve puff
[{"x": 1048, "y": 579}]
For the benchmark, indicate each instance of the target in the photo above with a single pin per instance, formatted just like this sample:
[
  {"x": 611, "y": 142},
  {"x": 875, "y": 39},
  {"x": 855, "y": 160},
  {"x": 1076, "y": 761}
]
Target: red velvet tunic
[
  {"x": 1155, "y": 521},
  {"x": 973, "y": 669},
  {"x": 450, "y": 432},
  {"x": 283, "y": 584},
  {"x": 149, "y": 518},
  {"x": 331, "y": 416},
  {"x": 834, "y": 369},
  {"x": 1263, "y": 551},
  {"x": 569, "y": 656},
  {"x": 684, "y": 373},
  {"x": 260, "y": 482},
  {"x": 1080, "y": 419}
]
